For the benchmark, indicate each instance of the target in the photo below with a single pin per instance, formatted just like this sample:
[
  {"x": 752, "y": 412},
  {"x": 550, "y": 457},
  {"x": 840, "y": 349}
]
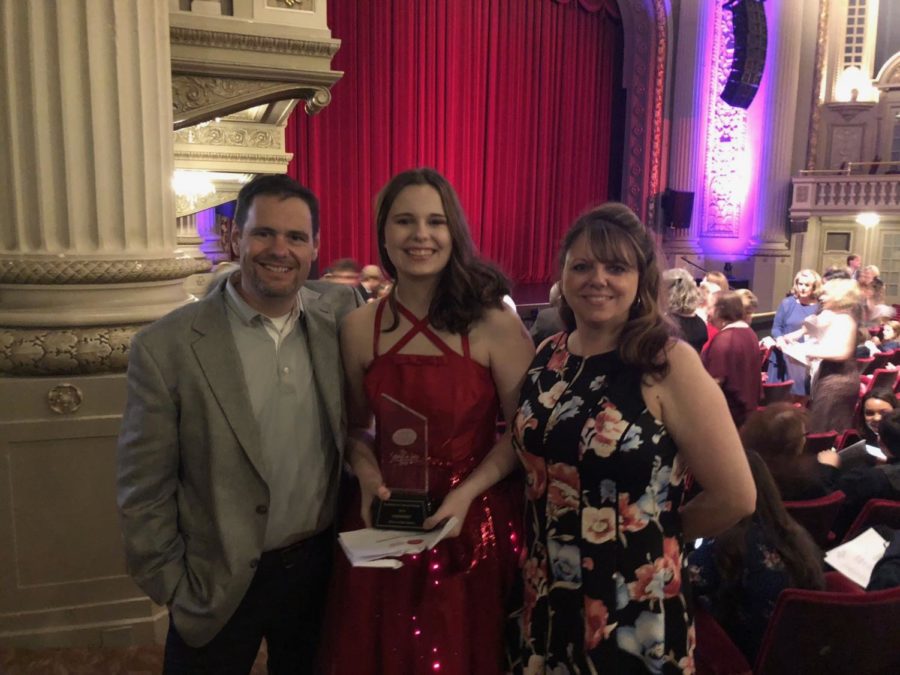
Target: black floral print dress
[{"x": 604, "y": 562}]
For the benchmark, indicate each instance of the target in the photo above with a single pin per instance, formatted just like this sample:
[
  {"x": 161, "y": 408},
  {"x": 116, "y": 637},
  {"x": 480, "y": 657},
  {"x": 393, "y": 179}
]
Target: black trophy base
[{"x": 403, "y": 511}]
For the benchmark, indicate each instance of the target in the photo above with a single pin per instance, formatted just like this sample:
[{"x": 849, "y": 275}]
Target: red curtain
[{"x": 509, "y": 99}]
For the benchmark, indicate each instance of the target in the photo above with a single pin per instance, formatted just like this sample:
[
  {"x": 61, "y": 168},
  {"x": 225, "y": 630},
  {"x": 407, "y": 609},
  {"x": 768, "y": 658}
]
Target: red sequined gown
[{"x": 444, "y": 610}]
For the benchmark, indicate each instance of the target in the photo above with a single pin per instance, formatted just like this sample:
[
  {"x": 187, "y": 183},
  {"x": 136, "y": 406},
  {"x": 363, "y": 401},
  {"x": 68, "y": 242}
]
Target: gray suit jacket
[{"x": 188, "y": 482}]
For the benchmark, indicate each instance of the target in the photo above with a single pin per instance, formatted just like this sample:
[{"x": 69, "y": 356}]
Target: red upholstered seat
[
  {"x": 776, "y": 392},
  {"x": 825, "y": 440},
  {"x": 879, "y": 360},
  {"x": 716, "y": 653},
  {"x": 817, "y": 515},
  {"x": 846, "y": 438},
  {"x": 832, "y": 632},
  {"x": 875, "y": 512}
]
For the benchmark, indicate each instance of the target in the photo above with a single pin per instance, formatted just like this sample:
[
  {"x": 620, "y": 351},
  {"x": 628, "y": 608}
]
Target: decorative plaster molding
[
  {"x": 846, "y": 144},
  {"x": 195, "y": 37},
  {"x": 306, "y": 5},
  {"x": 726, "y": 141},
  {"x": 191, "y": 92},
  {"x": 185, "y": 207},
  {"x": 54, "y": 271},
  {"x": 67, "y": 351},
  {"x": 65, "y": 399},
  {"x": 279, "y": 158},
  {"x": 232, "y": 136}
]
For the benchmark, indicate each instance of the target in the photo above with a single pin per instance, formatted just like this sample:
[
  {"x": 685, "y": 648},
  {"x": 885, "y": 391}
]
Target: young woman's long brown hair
[
  {"x": 801, "y": 556},
  {"x": 468, "y": 285}
]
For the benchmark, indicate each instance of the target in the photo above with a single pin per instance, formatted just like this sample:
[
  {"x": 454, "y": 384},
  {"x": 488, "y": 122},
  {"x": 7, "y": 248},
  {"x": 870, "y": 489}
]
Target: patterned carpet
[{"x": 146, "y": 660}]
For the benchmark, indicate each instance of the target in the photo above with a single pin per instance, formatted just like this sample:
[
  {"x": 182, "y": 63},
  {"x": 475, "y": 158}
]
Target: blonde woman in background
[
  {"x": 684, "y": 298},
  {"x": 802, "y": 303},
  {"x": 835, "y": 380}
]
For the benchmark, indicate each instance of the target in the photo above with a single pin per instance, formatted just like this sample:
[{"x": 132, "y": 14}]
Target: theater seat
[
  {"x": 817, "y": 515},
  {"x": 832, "y": 632}
]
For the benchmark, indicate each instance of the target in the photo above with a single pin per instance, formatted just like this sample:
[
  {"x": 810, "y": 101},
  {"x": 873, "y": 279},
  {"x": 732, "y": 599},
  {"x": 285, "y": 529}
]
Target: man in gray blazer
[{"x": 229, "y": 456}]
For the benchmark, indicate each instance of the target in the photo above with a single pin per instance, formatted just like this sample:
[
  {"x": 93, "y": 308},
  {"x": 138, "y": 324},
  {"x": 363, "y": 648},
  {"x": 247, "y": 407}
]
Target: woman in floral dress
[{"x": 612, "y": 415}]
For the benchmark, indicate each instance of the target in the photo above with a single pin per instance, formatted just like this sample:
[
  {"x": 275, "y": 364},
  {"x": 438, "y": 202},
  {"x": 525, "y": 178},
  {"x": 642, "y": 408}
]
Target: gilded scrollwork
[
  {"x": 65, "y": 351},
  {"x": 50, "y": 271}
]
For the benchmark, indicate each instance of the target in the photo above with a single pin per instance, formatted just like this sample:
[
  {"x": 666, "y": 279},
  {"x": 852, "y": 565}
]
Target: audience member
[
  {"x": 863, "y": 483},
  {"x": 343, "y": 271},
  {"x": 740, "y": 574},
  {"x": 750, "y": 303},
  {"x": 835, "y": 374},
  {"x": 732, "y": 357},
  {"x": 684, "y": 298},
  {"x": 886, "y": 573},
  {"x": 853, "y": 264},
  {"x": 547, "y": 321},
  {"x": 370, "y": 278},
  {"x": 778, "y": 433},
  {"x": 890, "y": 336},
  {"x": 789, "y": 317},
  {"x": 719, "y": 279},
  {"x": 836, "y": 272},
  {"x": 875, "y": 405},
  {"x": 229, "y": 456}
]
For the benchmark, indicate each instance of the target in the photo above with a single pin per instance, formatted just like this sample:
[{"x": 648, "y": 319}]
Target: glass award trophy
[{"x": 403, "y": 443}]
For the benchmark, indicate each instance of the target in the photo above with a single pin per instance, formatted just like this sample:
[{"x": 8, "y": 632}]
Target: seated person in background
[
  {"x": 739, "y": 574},
  {"x": 719, "y": 279},
  {"x": 547, "y": 321},
  {"x": 886, "y": 573},
  {"x": 875, "y": 405},
  {"x": 708, "y": 292},
  {"x": 684, "y": 298},
  {"x": 867, "y": 482},
  {"x": 890, "y": 336},
  {"x": 778, "y": 434},
  {"x": 370, "y": 278},
  {"x": 732, "y": 357},
  {"x": 343, "y": 271}
]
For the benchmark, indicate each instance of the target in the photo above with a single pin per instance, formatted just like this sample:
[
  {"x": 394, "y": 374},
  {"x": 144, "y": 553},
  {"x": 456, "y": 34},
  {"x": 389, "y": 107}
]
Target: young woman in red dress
[{"x": 444, "y": 344}]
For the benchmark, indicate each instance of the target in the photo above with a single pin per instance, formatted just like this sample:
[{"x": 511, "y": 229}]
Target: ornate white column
[
  {"x": 772, "y": 119},
  {"x": 693, "y": 69},
  {"x": 87, "y": 243},
  {"x": 771, "y": 126}
]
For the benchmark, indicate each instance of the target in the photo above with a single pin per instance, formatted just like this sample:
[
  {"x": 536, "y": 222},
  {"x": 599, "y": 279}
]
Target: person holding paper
[
  {"x": 789, "y": 317},
  {"x": 438, "y": 358},
  {"x": 612, "y": 414},
  {"x": 835, "y": 382},
  {"x": 867, "y": 482}
]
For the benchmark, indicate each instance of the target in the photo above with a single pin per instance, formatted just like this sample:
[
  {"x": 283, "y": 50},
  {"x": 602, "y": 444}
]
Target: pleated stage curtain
[{"x": 510, "y": 99}]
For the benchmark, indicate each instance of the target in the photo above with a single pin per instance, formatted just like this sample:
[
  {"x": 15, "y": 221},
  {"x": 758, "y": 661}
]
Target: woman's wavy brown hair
[
  {"x": 616, "y": 234},
  {"x": 468, "y": 285}
]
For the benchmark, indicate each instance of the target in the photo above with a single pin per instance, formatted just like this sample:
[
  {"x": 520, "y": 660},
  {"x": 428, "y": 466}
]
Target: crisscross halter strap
[{"x": 418, "y": 326}]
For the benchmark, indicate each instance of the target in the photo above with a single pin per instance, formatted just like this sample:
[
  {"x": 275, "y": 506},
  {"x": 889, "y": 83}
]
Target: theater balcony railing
[{"x": 861, "y": 186}]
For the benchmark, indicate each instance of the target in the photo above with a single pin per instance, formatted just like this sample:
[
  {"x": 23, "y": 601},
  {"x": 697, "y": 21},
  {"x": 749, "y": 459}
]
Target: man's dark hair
[
  {"x": 889, "y": 432},
  {"x": 344, "y": 265},
  {"x": 277, "y": 185},
  {"x": 851, "y": 258},
  {"x": 836, "y": 272}
]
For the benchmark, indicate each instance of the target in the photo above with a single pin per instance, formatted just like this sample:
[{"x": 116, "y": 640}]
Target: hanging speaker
[
  {"x": 750, "y": 42},
  {"x": 677, "y": 208}
]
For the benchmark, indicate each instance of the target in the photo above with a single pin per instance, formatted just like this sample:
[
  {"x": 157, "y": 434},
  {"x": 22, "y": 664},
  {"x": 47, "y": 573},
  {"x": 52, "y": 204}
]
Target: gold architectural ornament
[
  {"x": 43, "y": 271},
  {"x": 295, "y": 4},
  {"x": 64, "y": 399},
  {"x": 65, "y": 351}
]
